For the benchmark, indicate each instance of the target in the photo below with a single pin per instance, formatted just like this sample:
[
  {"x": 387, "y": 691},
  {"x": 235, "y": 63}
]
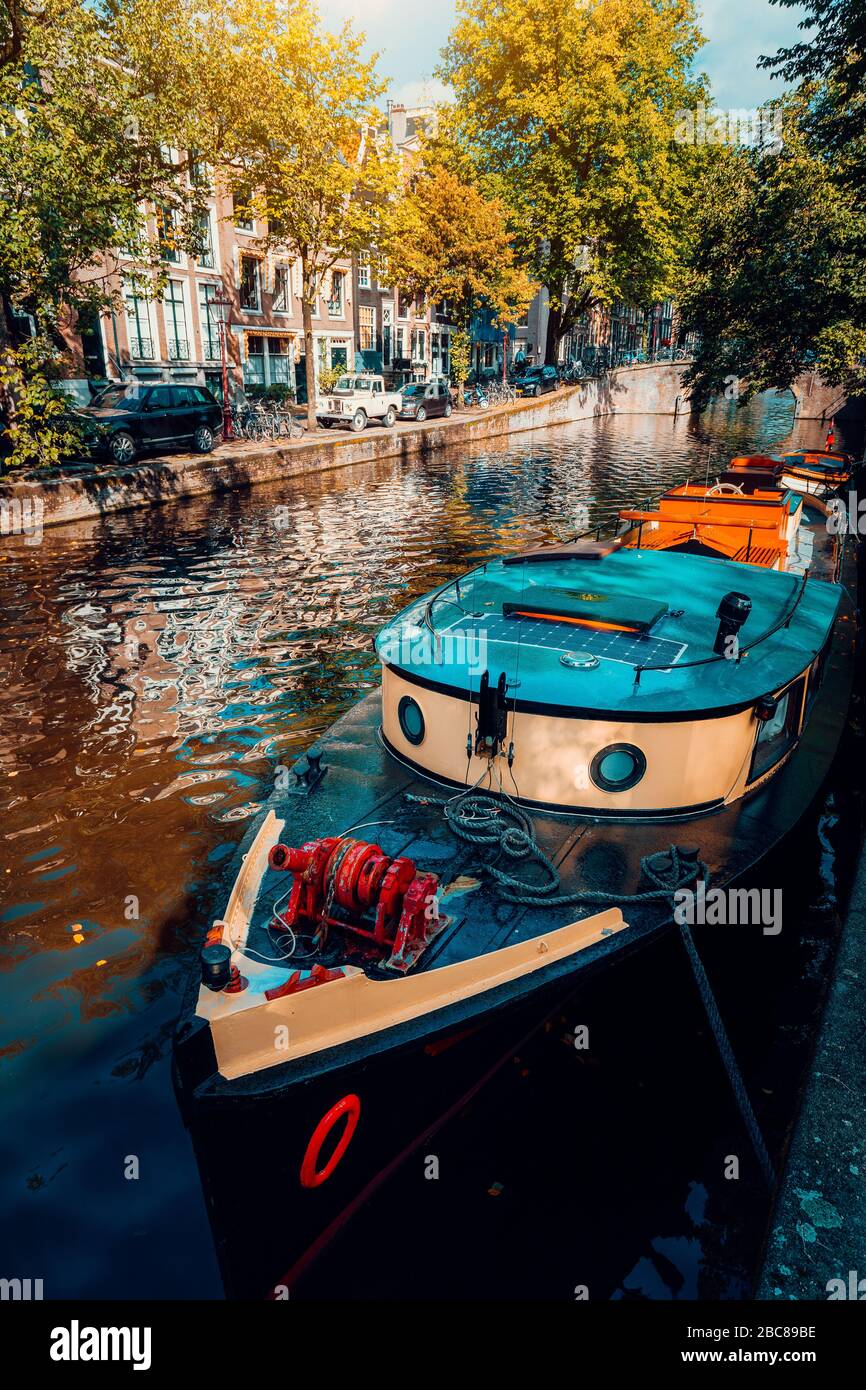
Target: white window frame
[
  {"x": 214, "y": 246},
  {"x": 342, "y": 313},
  {"x": 258, "y": 260},
  {"x": 284, "y": 266},
  {"x": 187, "y": 319},
  {"x": 366, "y": 309},
  {"x": 151, "y": 326}
]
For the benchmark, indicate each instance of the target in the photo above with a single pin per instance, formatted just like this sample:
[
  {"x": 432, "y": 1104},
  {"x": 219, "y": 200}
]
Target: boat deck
[{"x": 364, "y": 794}]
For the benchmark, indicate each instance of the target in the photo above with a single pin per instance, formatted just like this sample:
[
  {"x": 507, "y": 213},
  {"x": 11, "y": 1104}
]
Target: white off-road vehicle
[{"x": 357, "y": 398}]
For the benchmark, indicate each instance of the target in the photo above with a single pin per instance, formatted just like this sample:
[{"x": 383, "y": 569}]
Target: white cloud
[{"x": 427, "y": 91}]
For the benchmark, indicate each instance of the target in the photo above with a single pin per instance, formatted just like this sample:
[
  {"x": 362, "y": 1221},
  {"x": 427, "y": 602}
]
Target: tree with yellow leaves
[
  {"x": 295, "y": 130},
  {"x": 449, "y": 242},
  {"x": 570, "y": 108}
]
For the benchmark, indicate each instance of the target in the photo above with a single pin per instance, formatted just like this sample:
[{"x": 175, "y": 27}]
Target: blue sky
[{"x": 409, "y": 33}]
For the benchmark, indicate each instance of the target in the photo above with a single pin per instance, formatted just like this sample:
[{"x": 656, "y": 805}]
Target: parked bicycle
[
  {"x": 261, "y": 422},
  {"x": 500, "y": 393}
]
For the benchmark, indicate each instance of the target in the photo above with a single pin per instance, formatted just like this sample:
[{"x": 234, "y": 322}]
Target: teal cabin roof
[{"x": 614, "y": 611}]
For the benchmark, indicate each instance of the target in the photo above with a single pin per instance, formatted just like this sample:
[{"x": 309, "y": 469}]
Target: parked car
[
  {"x": 425, "y": 398},
  {"x": 128, "y": 419},
  {"x": 446, "y": 382},
  {"x": 534, "y": 381},
  {"x": 357, "y": 398}
]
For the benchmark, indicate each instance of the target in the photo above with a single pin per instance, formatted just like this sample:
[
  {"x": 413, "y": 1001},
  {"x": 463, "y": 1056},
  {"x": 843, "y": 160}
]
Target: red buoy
[{"x": 311, "y": 1174}]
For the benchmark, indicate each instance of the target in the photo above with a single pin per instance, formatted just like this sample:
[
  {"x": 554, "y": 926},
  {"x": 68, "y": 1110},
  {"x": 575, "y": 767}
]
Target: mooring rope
[
  {"x": 480, "y": 819},
  {"x": 502, "y": 826},
  {"x": 729, "y": 1061}
]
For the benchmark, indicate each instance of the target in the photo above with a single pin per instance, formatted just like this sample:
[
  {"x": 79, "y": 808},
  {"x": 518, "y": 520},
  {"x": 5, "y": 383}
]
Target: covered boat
[
  {"x": 816, "y": 472},
  {"x": 563, "y": 737}
]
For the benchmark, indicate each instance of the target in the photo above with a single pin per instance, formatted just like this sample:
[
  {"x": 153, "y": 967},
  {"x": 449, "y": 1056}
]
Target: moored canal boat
[
  {"x": 816, "y": 472},
  {"x": 563, "y": 737}
]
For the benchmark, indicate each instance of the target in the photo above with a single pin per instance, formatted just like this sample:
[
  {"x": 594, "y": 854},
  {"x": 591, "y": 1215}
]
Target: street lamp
[{"x": 221, "y": 306}]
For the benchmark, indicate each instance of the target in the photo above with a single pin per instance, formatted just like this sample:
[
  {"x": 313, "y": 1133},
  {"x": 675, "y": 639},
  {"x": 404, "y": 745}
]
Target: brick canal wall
[{"x": 76, "y": 494}]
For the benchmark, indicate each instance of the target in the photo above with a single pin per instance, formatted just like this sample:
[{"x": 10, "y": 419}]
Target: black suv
[
  {"x": 128, "y": 419},
  {"x": 534, "y": 380}
]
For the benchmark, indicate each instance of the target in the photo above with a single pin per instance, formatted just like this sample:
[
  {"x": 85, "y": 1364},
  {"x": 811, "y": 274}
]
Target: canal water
[{"x": 155, "y": 670}]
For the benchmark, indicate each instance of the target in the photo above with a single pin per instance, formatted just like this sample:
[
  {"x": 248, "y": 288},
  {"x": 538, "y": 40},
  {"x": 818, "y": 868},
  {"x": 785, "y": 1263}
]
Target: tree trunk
[
  {"x": 8, "y": 396},
  {"x": 554, "y": 334},
  {"x": 310, "y": 364}
]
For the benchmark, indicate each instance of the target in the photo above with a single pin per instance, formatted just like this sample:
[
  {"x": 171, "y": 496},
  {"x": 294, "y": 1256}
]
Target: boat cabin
[{"x": 608, "y": 680}]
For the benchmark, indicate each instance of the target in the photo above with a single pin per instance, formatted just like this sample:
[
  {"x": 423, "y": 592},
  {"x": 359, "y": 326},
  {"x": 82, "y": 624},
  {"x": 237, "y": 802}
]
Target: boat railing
[
  {"x": 638, "y": 667},
  {"x": 781, "y": 622}
]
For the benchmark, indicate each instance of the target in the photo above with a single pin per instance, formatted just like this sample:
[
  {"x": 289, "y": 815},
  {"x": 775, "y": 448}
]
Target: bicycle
[{"x": 288, "y": 425}]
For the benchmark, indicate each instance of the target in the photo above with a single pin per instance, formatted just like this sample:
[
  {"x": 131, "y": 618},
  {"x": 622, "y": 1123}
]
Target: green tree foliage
[
  {"x": 85, "y": 141},
  {"x": 775, "y": 283},
  {"x": 569, "y": 110}
]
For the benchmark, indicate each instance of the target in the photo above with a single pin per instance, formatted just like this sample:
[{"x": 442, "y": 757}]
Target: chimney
[{"x": 397, "y": 122}]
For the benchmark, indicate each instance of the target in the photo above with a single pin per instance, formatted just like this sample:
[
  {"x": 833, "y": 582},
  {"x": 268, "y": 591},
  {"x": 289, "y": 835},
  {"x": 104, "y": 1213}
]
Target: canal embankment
[
  {"x": 83, "y": 491},
  {"x": 816, "y": 1247}
]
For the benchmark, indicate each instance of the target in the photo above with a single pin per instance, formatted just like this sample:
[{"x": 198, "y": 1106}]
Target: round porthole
[
  {"x": 411, "y": 719},
  {"x": 618, "y": 767}
]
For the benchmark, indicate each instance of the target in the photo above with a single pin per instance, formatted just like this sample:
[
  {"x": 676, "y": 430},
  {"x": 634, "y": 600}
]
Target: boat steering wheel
[{"x": 731, "y": 489}]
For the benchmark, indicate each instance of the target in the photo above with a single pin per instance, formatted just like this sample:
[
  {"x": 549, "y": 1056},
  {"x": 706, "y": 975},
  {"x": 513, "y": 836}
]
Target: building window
[
  {"x": 210, "y": 332},
  {"x": 250, "y": 293},
  {"x": 166, "y": 224},
  {"x": 241, "y": 215},
  {"x": 366, "y": 328},
  {"x": 419, "y": 345},
  {"x": 279, "y": 361},
  {"x": 269, "y": 361},
  {"x": 198, "y": 174},
  {"x": 254, "y": 367},
  {"x": 335, "y": 303},
  {"x": 205, "y": 255},
  {"x": 381, "y": 272},
  {"x": 138, "y": 326},
  {"x": 387, "y": 334},
  {"x": 404, "y": 304},
  {"x": 364, "y": 270},
  {"x": 282, "y": 290},
  {"x": 175, "y": 322}
]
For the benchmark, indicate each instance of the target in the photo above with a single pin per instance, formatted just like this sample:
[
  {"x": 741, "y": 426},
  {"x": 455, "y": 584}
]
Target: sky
[{"x": 409, "y": 33}]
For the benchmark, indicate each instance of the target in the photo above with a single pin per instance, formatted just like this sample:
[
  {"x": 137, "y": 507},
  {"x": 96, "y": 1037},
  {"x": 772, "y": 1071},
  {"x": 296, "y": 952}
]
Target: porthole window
[
  {"x": 411, "y": 719},
  {"x": 617, "y": 768}
]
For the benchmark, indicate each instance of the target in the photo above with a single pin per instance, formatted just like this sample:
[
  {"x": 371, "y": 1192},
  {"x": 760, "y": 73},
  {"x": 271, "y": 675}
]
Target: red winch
[{"x": 388, "y": 902}]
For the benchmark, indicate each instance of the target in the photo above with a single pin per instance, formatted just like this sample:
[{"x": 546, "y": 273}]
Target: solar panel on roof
[{"x": 630, "y": 648}]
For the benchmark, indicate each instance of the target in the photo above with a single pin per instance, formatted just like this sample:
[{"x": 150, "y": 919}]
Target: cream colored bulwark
[{"x": 688, "y": 762}]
